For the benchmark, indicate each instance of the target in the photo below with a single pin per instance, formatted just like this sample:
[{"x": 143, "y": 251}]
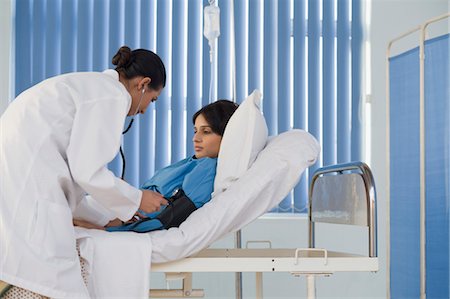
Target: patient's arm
[{"x": 87, "y": 224}]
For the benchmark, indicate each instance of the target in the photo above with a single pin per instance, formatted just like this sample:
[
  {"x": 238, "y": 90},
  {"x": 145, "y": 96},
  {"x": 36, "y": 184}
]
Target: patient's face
[{"x": 206, "y": 142}]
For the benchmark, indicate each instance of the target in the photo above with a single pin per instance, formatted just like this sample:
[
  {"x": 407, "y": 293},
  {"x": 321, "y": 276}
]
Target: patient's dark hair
[
  {"x": 217, "y": 114},
  {"x": 140, "y": 62}
]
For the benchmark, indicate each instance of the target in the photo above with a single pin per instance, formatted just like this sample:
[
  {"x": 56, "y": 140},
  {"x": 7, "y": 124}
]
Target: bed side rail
[{"x": 344, "y": 194}]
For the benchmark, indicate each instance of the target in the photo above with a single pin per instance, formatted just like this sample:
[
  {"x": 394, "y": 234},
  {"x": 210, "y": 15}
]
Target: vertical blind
[{"x": 305, "y": 57}]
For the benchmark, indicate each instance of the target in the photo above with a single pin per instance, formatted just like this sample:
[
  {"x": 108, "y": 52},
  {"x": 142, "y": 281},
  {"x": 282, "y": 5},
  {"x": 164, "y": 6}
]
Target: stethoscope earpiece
[{"x": 143, "y": 90}]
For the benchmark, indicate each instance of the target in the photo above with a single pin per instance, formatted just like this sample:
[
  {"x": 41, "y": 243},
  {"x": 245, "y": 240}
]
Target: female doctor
[{"x": 56, "y": 139}]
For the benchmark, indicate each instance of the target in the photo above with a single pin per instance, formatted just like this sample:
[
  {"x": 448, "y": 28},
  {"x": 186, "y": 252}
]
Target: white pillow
[{"x": 244, "y": 137}]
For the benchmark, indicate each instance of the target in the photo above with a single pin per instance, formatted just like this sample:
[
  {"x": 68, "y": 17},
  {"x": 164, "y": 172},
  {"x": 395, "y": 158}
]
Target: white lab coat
[{"x": 56, "y": 139}]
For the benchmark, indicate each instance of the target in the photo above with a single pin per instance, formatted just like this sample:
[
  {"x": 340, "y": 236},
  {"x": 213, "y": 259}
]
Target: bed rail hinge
[{"x": 185, "y": 292}]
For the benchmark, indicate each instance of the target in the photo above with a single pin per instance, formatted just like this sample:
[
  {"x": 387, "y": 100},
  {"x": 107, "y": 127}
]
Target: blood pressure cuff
[{"x": 179, "y": 207}]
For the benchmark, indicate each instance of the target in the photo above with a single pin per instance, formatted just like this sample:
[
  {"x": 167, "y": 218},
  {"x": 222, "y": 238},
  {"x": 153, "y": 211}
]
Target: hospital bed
[{"x": 339, "y": 194}]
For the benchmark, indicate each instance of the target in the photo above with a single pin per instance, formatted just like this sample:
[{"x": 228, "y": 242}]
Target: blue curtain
[
  {"x": 405, "y": 175},
  {"x": 437, "y": 166},
  {"x": 307, "y": 67},
  {"x": 405, "y": 171}
]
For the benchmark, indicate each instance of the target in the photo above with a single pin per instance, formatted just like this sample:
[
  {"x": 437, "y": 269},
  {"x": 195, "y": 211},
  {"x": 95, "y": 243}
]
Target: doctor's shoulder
[{"x": 96, "y": 85}]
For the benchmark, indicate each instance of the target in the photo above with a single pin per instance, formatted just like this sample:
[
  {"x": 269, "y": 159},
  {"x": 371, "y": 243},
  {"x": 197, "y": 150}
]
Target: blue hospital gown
[{"x": 194, "y": 176}]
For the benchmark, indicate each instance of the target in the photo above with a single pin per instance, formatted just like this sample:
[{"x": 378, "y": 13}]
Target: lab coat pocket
[{"x": 53, "y": 234}]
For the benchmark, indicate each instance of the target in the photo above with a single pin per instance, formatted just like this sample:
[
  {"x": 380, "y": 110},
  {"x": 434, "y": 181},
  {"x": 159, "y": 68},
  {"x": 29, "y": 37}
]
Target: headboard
[{"x": 344, "y": 194}]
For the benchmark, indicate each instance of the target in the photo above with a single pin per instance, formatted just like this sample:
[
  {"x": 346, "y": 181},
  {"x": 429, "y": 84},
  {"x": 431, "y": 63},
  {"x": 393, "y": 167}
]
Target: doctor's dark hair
[
  {"x": 217, "y": 115},
  {"x": 140, "y": 62}
]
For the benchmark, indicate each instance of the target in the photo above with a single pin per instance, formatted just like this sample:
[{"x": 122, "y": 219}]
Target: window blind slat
[
  {"x": 284, "y": 79},
  {"x": 241, "y": 32},
  {"x": 179, "y": 76},
  {"x": 329, "y": 85},
  {"x": 84, "y": 34},
  {"x": 116, "y": 39},
  {"x": 195, "y": 66},
  {"x": 38, "y": 42},
  {"x": 53, "y": 40},
  {"x": 23, "y": 50},
  {"x": 68, "y": 36},
  {"x": 343, "y": 82},
  {"x": 255, "y": 46},
  {"x": 300, "y": 88},
  {"x": 314, "y": 73},
  {"x": 224, "y": 53},
  {"x": 116, "y": 27},
  {"x": 270, "y": 65},
  {"x": 147, "y": 121},
  {"x": 131, "y": 140},
  {"x": 163, "y": 47},
  {"x": 148, "y": 24},
  {"x": 356, "y": 78},
  {"x": 100, "y": 36},
  {"x": 132, "y": 21},
  {"x": 284, "y": 66}
]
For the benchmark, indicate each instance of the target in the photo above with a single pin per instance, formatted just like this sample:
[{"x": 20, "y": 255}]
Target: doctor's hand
[{"x": 151, "y": 201}]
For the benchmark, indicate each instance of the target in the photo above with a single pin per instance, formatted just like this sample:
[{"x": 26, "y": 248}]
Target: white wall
[
  {"x": 391, "y": 18},
  {"x": 5, "y": 55}
]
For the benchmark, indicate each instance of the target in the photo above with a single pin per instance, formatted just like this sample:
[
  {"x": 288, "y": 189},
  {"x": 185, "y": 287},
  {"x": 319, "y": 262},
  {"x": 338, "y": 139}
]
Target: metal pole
[
  {"x": 422, "y": 168},
  {"x": 259, "y": 285},
  {"x": 310, "y": 286},
  {"x": 238, "y": 275}
]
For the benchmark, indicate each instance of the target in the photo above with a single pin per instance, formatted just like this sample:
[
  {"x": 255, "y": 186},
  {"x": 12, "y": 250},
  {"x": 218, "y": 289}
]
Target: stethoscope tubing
[{"x": 122, "y": 155}]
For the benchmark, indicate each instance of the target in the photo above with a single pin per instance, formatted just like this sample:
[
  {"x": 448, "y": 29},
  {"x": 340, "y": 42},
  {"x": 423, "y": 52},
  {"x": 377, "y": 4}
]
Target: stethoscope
[{"x": 126, "y": 130}]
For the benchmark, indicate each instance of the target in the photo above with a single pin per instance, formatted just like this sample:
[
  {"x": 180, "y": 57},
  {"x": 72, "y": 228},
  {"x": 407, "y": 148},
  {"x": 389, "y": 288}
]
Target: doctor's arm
[
  {"x": 94, "y": 142},
  {"x": 90, "y": 210}
]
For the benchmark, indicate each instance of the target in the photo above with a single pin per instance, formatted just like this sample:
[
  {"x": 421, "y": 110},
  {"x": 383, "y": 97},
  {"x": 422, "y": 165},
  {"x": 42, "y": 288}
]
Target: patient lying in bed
[{"x": 187, "y": 184}]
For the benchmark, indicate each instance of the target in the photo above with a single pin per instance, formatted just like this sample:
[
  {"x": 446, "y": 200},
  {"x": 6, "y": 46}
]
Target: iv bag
[{"x": 212, "y": 22}]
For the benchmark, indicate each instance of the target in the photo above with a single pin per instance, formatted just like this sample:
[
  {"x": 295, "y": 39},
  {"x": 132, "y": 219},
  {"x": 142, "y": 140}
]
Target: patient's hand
[
  {"x": 86, "y": 224},
  {"x": 115, "y": 222}
]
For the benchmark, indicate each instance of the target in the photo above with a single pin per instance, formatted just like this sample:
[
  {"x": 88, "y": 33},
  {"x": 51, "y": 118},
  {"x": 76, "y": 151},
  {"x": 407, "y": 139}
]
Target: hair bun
[
  {"x": 123, "y": 57},
  {"x": 140, "y": 63}
]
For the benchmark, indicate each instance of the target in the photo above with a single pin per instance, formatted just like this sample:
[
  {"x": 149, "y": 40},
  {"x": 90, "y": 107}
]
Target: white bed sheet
[
  {"x": 117, "y": 263},
  {"x": 275, "y": 172}
]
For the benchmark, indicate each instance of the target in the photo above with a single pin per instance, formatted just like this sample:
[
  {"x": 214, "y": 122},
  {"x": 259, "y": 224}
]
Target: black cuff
[{"x": 179, "y": 208}]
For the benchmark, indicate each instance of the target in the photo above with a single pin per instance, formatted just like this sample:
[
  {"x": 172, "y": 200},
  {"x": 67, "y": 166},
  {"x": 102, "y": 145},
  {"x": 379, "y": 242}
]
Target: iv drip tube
[
  {"x": 211, "y": 32},
  {"x": 233, "y": 51}
]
